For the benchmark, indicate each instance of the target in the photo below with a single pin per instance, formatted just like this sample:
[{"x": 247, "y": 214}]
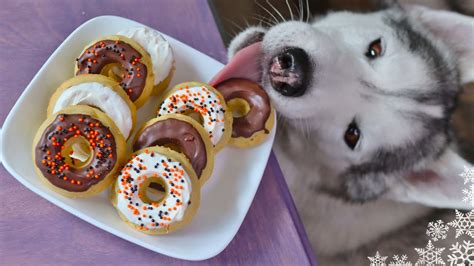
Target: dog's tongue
[{"x": 245, "y": 64}]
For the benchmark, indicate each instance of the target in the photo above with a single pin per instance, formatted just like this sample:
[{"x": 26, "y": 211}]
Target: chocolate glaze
[
  {"x": 177, "y": 132},
  {"x": 258, "y": 100},
  {"x": 107, "y": 52},
  {"x": 68, "y": 126}
]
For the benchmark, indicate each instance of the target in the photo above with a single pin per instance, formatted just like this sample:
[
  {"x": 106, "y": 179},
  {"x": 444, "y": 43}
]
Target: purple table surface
[{"x": 34, "y": 231}]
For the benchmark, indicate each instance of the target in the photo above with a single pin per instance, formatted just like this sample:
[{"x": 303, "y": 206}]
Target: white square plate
[{"x": 226, "y": 197}]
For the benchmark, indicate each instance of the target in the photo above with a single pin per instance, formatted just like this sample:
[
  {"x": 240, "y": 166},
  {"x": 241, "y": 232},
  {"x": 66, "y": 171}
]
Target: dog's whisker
[
  {"x": 299, "y": 8},
  {"x": 276, "y": 10},
  {"x": 246, "y": 22},
  {"x": 289, "y": 8},
  {"x": 240, "y": 28},
  {"x": 266, "y": 10},
  {"x": 263, "y": 19}
]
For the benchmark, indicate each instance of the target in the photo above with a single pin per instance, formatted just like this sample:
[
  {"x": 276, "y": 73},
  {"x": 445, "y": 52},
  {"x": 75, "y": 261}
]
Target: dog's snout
[{"x": 289, "y": 72}]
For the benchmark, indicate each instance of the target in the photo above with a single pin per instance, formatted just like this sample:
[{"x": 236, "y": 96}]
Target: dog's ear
[
  {"x": 439, "y": 185},
  {"x": 455, "y": 30},
  {"x": 245, "y": 38}
]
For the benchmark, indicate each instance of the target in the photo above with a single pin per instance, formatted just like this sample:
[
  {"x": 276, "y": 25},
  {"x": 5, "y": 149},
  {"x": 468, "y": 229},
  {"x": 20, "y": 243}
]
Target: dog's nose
[{"x": 289, "y": 72}]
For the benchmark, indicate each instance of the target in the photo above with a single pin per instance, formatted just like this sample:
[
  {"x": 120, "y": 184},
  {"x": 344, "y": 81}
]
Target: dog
[{"x": 364, "y": 103}]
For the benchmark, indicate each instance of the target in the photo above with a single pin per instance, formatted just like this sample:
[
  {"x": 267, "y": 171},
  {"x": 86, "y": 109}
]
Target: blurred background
[{"x": 234, "y": 15}]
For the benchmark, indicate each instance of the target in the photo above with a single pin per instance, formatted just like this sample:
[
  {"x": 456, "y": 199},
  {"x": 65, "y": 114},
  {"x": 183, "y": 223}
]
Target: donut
[
  {"x": 78, "y": 151},
  {"x": 171, "y": 170},
  {"x": 202, "y": 100},
  {"x": 185, "y": 135},
  {"x": 160, "y": 52},
  {"x": 253, "y": 114},
  {"x": 100, "y": 92},
  {"x": 122, "y": 59}
]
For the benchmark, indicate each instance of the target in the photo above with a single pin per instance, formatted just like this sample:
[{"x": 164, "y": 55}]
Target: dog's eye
[
  {"x": 375, "y": 49},
  {"x": 352, "y": 135}
]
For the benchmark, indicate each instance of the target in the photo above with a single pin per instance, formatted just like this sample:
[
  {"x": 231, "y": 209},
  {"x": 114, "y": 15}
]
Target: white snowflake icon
[
  {"x": 469, "y": 194},
  {"x": 437, "y": 230},
  {"x": 464, "y": 223},
  {"x": 377, "y": 260},
  {"x": 430, "y": 255},
  {"x": 468, "y": 174},
  {"x": 461, "y": 254},
  {"x": 400, "y": 261}
]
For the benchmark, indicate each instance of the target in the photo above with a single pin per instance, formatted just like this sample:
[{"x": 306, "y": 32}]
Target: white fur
[{"x": 310, "y": 146}]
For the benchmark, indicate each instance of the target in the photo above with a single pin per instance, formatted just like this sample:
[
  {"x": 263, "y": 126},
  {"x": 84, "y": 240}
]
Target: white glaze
[
  {"x": 204, "y": 100},
  {"x": 157, "y": 47},
  {"x": 98, "y": 95},
  {"x": 179, "y": 179}
]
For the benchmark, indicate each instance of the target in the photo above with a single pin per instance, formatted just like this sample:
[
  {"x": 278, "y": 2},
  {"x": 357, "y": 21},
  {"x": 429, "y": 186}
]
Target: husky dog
[{"x": 364, "y": 142}]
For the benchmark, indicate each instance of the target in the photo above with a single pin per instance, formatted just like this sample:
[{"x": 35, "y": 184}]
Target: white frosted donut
[
  {"x": 181, "y": 197},
  {"x": 157, "y": 47},
  {"x": 204, "y": 100},
  {"x": 100, "y": 95}
]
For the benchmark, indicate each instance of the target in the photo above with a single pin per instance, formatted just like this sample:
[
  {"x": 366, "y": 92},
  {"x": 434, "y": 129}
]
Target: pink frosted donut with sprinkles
[
  {"x": 203, "y": 103},
  {"x": 147, "y": 212}
]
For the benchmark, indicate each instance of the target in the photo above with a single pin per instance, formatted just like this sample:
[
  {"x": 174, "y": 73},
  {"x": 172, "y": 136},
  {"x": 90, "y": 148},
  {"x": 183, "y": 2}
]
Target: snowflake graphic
[
  {"x": 437, "y": 230},
  {"x": 400, "y": 261},
  {"x": 461, "y": 254},
  {"x": 468, "y": 174},
  {"x": 377, "y": 260},
  {"x": 464, "y": 223},
  {"x": 430, "y": 255},
  {"x": 469, "y": 194}
]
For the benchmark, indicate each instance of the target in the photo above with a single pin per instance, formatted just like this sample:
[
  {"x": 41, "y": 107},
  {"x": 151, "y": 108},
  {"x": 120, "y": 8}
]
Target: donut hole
[
  {"x": 153, "y": 190},
  {"x": 239, "y": 107},
  {"x": 113, "y": 71},
  {"x": 194, "y": 115},
  {"x": 77, "y": 152}
]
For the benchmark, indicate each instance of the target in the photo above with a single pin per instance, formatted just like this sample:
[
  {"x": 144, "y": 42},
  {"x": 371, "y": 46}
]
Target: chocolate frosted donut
[
  {"x": 122, "y": 59},
  {"x": 78, "y": 125},
  {"x": 251, "y": 102},
  {"x": 182, "y": 133}
]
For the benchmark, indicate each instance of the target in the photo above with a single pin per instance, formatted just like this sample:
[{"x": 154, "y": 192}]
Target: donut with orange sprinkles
[
  {"x": 156, "y": 215},
  {"x": 78, "y": 151},
  {"x": 123, "y": 60},
  {"x": 203, "y": 103}
]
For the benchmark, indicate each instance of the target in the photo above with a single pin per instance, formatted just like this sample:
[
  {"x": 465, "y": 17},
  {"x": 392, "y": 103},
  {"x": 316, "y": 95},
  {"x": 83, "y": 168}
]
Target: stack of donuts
[{"x": 81, "y": 148}]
